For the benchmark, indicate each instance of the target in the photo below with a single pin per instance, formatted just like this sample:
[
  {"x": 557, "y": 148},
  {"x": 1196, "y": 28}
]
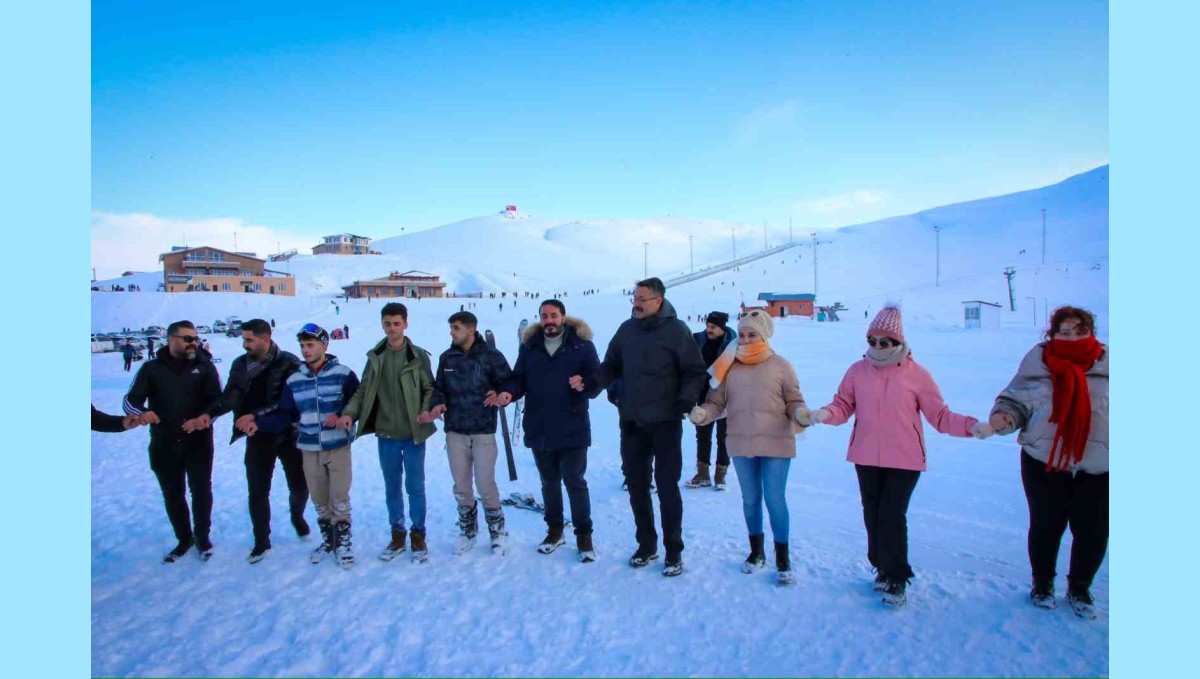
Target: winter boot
[
  {"x": 894, "y": 594},
  {"x": 326, "y": 547},
  {"x": 880, "y": 583},
  {"x": 701, "y": 479},
  {"x": 260, "y": 552},
  {"x": 468, "y": 526},
  {"x": 344, "y": 547},
  {"x": 1042, "y": 594},
  {"x": 495, "y": 524},
  {"x": 180, "y": 549},
  {"x": 719, "y": 481},
  {"x": 783, "y": 565},
  {"x": 643, "y": 556},
  {"x": 673, "y": 566},
  {"x": 1082, "y": 603},
  {"x": 395, "y": 547},
  {"x": 204, "y": 547},
  {"x": 420, "y": 553},
  {"x": 758, "y": 558},
  {"x": 552, "y": 541},
  {"x": 587, "y": 554}
]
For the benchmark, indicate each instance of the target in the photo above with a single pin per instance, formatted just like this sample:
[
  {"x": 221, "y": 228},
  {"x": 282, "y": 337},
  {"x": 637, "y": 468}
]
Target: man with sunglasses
[
  {"x": 180, "y": 384},
  {"x": 662, "y": 373},
  {"x": 255, "y": 386}
]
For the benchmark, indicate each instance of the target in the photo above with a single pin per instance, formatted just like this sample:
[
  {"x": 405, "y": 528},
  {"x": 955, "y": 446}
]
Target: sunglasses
[
  {"x": 882, "y": 342},
  {"x": 187, "y": 339}
]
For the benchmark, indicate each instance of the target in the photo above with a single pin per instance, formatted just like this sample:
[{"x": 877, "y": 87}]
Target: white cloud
[
  {"x": 765, "y": 121},
  {"x": 133, "y": 242},
  {"x": 842, "y": 202}
]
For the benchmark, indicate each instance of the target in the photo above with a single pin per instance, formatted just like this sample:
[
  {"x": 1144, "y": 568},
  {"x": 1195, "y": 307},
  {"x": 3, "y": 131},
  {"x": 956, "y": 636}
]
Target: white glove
[
  {"x": 818, "y": 416},
  {"x": 982, "y": 430},
  {"x": 801, "y": 416},
  {"x": 698, "y": 416}
]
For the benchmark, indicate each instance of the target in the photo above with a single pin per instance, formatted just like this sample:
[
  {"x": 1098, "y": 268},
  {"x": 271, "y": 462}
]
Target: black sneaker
[
  {"x": 204, "y": 548},
  {"x": 673, "y": 567},
  {"x": 258, "y": 553},
  {"x": 1042, "y": 594},
  {"x": 177, "y": 553},
  {"x": 643, "y": 557},
  {"x": 1082, "y": 603},
  {"x": 894, "y": 594}
]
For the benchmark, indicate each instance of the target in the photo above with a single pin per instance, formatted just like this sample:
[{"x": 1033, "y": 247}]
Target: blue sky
[{"x": 291, "y": 120}]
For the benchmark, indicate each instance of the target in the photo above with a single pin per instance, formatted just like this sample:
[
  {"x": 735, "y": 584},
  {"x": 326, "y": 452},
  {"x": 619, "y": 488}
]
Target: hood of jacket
[{"x": 570, "y": 324}]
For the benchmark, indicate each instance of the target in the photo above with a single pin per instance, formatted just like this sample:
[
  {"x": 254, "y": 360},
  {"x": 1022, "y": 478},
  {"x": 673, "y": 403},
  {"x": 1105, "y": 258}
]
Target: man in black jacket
[
  {"x": 712, "y": 341},
  {"x": 557, "y": 426},
  {"x": 181, "y": 385},
  {"x": 468, "y": 376},
  {"x": 255, "y": 385},
  {"x": 113, "y": 424},
  {"x": 662, "y": 373}
]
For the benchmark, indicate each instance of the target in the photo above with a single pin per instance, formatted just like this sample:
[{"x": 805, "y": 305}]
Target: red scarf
[{"x": 1069, "y": 361}]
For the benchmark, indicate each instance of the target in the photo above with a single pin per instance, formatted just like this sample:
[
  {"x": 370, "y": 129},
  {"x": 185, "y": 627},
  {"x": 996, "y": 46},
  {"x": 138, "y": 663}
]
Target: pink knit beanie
[{"x": 887, "y": 324}]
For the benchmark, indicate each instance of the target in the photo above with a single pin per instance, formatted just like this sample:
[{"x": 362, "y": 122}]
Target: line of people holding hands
[{"x": 306, "y": 412}]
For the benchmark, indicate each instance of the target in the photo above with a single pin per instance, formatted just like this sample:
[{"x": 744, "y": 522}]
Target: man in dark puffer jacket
[
  {"x": 662, "y": 373},
  {"x": 468, "y": 376},
  {"x": 557, "y": 426}
]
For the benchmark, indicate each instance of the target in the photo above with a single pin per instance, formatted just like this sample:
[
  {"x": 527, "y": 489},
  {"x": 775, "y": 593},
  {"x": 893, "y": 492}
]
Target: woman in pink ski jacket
[{"x": 887, "y": 392}]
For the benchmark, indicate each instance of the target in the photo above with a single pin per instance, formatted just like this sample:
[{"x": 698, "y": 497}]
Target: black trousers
[
  {"x": 1058, "y": 500},
  {"x": 559, "y": 467},
  {"x": 261, "y": 452},
  {"x": 885, "y": 494},
  {"x": 654, "y": 450},
  {"x": 704, "y": 442},
  {"x": 128, "y": 363},
  {"x": 181, "y": 467}
]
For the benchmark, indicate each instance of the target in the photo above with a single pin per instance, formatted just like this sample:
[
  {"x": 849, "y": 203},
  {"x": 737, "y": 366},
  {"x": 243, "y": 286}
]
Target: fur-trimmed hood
[{"x": 582, "y": 329}]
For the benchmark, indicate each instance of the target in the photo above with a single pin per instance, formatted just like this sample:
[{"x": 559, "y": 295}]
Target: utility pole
[
  {"x": 645, "y": 260},
  {"x": 1043, "y": 235},
  {"x": 733, "y": 237},
  {"x": 765, "y": 245},
  {"x": 1034, "y": 309},
  {"x": 814, "y": 238},
  {"x": 937, "y": 276},
  {"x": 1009, "y": 272},
  {"x": 691, "y": 255}
]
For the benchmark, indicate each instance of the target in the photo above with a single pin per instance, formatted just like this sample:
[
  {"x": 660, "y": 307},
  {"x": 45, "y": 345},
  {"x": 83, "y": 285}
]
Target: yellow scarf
[{"x": 750, "y": 354}]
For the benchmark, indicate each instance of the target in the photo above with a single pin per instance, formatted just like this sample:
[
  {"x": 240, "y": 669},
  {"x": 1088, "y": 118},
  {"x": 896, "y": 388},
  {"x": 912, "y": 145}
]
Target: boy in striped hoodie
[{"x": 313, "y": 398}]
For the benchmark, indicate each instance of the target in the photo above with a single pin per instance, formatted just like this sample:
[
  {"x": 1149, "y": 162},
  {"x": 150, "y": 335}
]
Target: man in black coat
[
  {"x": 468, "y": 376},
  {"x": 661, "y": 374},
  {"x": 255, "y": 386},
  {"x": 712, "y": 341},
  {"x": 181, "y": 385},
  {"x": 557, "y": 426},
  {"x": 113, "y": 424}
]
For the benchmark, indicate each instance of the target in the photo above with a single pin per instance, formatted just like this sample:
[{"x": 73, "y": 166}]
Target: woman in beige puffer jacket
[{"x": 759, "y": 394}]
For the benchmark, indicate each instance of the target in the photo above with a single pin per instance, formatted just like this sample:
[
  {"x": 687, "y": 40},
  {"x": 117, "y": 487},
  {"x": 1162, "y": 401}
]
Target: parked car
[
  {"x": 220, "y": 326},
  {"x": 203, "y": 330},
  {"x": 101, "y": 343},
  {"x": 155, "y": 330}
]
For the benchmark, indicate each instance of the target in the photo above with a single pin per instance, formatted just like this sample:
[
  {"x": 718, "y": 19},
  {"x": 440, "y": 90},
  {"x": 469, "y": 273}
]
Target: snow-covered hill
[{"x": 534, "y": 615}]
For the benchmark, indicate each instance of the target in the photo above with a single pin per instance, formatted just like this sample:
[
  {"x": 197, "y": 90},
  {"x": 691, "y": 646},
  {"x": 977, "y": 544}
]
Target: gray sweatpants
[
  {"x": 328, "y": 475},
  {"x": 473, "y": 454}
]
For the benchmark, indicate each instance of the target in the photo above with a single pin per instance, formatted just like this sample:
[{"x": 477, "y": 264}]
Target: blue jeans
[
  {"x": 764, "y": 478},
  {"x": 396, "y": 458}
]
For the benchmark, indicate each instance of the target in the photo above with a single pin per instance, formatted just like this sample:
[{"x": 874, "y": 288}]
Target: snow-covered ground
[{"x": 533, "y": 615}]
